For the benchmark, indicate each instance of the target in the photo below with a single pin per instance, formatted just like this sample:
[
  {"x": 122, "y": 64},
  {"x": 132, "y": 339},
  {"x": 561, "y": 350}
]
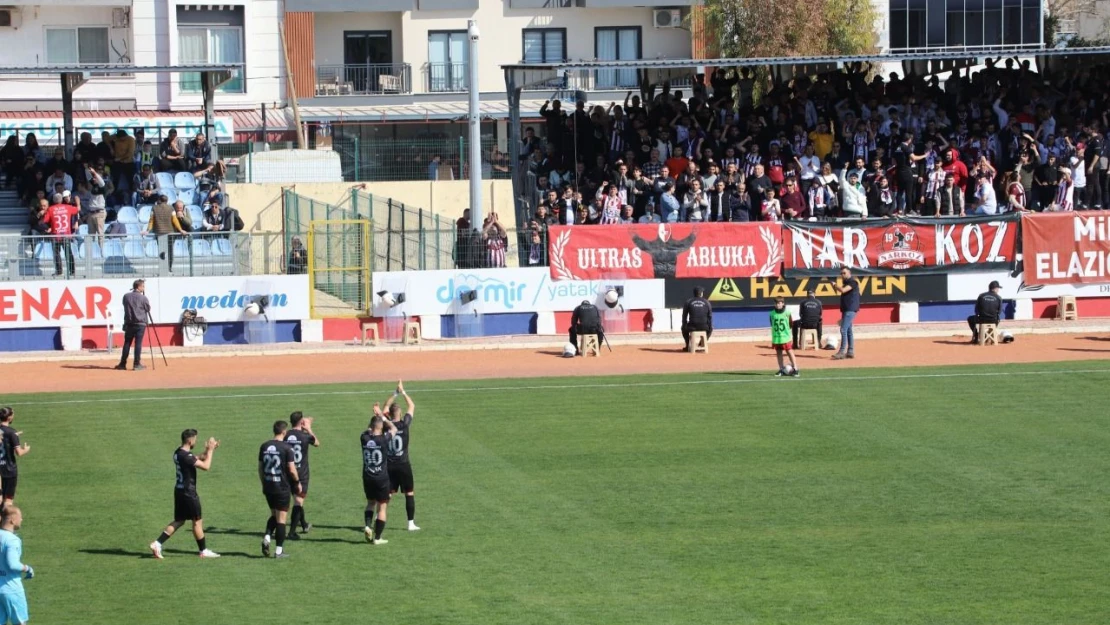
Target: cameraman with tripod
[{"x": 136, "y": 311}]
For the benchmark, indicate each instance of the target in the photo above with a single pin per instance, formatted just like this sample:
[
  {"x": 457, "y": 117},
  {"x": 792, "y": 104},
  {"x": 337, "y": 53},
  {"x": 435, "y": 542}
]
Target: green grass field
[{"x": 846, "y": 497}]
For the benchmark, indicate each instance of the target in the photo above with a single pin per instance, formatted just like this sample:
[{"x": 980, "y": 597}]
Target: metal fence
[
  {"x": 376, "y": 160},
  {"x": 142, "y": 256},
  {"x": 365, "y": 79}
]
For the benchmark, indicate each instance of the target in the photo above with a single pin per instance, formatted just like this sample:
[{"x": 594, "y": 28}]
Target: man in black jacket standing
[
  {"x": 586, "y": 319},
  {"x": 697, "y": 316},
  {"x": 988, "y": 309},
  {"x": 136, "y": 311},
  {"x": 809, "y": 318}
]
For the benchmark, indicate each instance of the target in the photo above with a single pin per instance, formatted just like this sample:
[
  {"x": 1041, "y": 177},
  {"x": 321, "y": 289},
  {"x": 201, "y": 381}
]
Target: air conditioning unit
[
  {"x": 121, "y": 18},
  {"x": 10, "y": 18},
  {"x": 667, "y": 18}
]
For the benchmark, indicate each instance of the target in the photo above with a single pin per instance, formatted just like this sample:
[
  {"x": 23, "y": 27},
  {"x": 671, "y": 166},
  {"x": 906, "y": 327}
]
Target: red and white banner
[
  {"x": 681, "y": 250},
  {"x": 54, "y": 303},
  {"x": 1066, "y": 248},
  {"x": 901, "y": 246}
]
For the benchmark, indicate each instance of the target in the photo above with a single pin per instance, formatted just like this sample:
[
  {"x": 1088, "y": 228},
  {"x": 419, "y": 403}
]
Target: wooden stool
[
  {"x": 1066, "y": 308},
  {"x": 588, "y": 343},
  {"x": 412, "y": 333},
  {"x": 369, "y": 328},
  {"x": 988, "y": 334},
  {"x": 699, "y": 342},
  {"x": 809, "y": 337}
]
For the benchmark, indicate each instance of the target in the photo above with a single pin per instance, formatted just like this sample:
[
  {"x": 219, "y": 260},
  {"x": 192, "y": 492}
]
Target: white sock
[{"x": 278, "y": 551}]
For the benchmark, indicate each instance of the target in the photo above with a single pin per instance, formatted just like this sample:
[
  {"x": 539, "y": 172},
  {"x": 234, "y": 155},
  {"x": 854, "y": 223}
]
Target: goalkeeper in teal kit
[{"x": 13, "y": 601}]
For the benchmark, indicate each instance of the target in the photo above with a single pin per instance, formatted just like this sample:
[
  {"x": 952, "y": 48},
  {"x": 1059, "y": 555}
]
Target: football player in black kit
[
  {"x": 400, "y": 471},
  {"x": 186, "y": 502},
  {"x": 10, "y": 450},
  {"x": 375, "y": 475},
  {"x": 278, "y": 474},
  {"x": 299, "y": 439},
  {"x": 697, "y": 316}
]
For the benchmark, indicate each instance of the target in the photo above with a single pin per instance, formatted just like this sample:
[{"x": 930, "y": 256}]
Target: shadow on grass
[
  {"x": 352, "y": 528},
  {"x": 146, "y": 554},
  {"x": 737, "y": 373}
]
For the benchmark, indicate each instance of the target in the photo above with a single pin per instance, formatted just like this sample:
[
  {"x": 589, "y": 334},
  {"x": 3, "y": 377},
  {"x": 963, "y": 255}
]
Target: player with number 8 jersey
[
  {"x": 299, "y": 439},
  {"x": 375, "y": 475},
  {"x": 400, "y": 470}
]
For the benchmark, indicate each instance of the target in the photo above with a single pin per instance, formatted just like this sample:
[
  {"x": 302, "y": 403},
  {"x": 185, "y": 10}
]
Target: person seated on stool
[
  {"x": 809, "y": 313},
  {"x": 988, "y": 309},
  {"x": 586, "y": 319},
  {"x": 697, "y": 316}
]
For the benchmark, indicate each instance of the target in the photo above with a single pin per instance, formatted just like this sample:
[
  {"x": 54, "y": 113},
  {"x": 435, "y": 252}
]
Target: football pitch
[{"x": 955, "y": 495}]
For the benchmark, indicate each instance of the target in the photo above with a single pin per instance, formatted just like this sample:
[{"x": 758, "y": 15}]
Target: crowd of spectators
[{"x": 842, "y": 145}]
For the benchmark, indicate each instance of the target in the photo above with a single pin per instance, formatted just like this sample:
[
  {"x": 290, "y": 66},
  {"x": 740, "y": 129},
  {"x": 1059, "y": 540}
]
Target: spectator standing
[
  {"x": 123, "y": 163},
  {"x": 670, "y": 209},
  {"x": 11, "y": 160},
  {"x": 59, "y": 220},
  {"x": 986, "y": 201},
  {"x": 950, "y": 200},
  {"x": 854, "y": 201},
  {"x": 695, "y": 204},
  {"x": 1015, "y": 193},
  {"x": 809, "y": 318},
  {"x": 849, "y": 307},
  {"x": 433, "y": 167},
  {"x": 1064, "y": 192},
  {"x": 792, "y": 201},
  {"x": 496, "y": 239},
  {"x": 164, "y": 224},
  {"x": 988, "y": 309},
  {"x": 770, "y": 209},
  {"x": 59, "y": 177},
  {"x": 298, "y": 257},
  {"x": 99, "y": 189}
]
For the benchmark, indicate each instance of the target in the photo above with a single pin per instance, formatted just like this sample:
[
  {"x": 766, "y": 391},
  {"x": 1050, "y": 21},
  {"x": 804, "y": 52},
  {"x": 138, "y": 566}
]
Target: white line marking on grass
[{"x": 761, "y": 379}]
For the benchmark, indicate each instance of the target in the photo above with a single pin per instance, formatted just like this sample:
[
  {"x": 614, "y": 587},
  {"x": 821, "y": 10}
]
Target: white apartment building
[
  {"x": 392, "y": 63},
  {"x": 146, "y": 33}
]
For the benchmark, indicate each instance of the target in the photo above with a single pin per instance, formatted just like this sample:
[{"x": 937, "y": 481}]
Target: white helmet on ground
[
  {"x": 830, "y": 341},
  {"x": 611, "y": 297},
  {"x": 569, "y": 351}
]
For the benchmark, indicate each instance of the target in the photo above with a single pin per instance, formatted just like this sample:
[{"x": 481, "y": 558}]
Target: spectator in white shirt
[
  {"x": 986, "y": 201},
  {"x": 60, "y": 176}
]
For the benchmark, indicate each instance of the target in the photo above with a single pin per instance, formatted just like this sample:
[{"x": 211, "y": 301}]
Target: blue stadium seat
[
  {"x": 112, "y": 248},
  {"x": 180, "y": 249},
  {"x": 196, "y": 213},
  {"x": 83, "y": 230},
  {"x": 86, "y": 247},
  {"x": 201, "y": 247},
  {"x": 133, "y": 247},
  {"x": 127, "y": 215},
  {"x": 221, "y": 247},
  {"x": 165, "y": 180},
  {"x": 150, "y": 246},
  {"x": 144, "y": 213},
  {"x": 133, "y": 228},
  {"x": 187, "y": 196},
  {"x": 170, "y": 193},
  {"x": 44, "y": 250},
  {"x": 185, "y": 180}
]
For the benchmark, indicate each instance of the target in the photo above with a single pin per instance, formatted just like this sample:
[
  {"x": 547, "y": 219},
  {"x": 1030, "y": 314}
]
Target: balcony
[
  {"x": 446, "y": 77},
  {"x": 369, "y": 79}
]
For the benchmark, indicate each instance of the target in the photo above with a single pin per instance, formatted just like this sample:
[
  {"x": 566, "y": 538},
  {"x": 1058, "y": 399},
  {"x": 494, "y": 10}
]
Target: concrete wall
[{"x": 260, "y": 205}]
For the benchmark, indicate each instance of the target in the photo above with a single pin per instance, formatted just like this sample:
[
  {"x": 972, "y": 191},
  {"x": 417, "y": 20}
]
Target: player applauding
[
  {"x": 400, "y": 471},
  {"x": 375, "y": 477},
  {"x": 299, "y": 439},
  {"x": 186, "y": 502}
]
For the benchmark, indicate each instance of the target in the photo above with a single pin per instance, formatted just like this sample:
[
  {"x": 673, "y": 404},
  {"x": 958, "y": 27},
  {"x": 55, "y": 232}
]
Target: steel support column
[{"x": 70, "y": 83}]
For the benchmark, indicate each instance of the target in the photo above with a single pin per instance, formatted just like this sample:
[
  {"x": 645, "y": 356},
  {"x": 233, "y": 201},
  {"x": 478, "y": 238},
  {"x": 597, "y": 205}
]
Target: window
[
  {"x": 71, "y": 46},
  {"x": 545, "y": 45},
  {"x": 202, "y": 45},
  {"x": 964, "y": 23},
  {"x": 617, "y": 44},
  {"x": 448, "y": 52}
]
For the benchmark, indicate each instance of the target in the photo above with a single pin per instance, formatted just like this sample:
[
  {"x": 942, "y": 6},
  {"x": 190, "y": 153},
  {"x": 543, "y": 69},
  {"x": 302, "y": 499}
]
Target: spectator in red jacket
[
  {"x": 956, "y": 168},
  {"x": 59, "y": 222}
]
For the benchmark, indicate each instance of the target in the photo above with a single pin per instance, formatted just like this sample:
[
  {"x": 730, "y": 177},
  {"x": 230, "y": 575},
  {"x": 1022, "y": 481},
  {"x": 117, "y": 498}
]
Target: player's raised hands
[
  {"x": 377, "y": 409},
  {"x": 400, "y": 387}
]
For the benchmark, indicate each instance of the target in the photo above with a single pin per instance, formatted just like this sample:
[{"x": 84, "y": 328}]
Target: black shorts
[
  {"x": 400, "y": 477},
  {"x": 376, "y": 490},
  {"x": 304, "y": 486},
  {"x": 9, "y": 484},
  {"x": 186, "y": 506},
  {"x": 278, "y": 500}
]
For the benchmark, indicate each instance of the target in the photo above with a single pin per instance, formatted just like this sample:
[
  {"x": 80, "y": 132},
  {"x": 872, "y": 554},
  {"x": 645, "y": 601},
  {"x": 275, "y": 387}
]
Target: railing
[
  {"x": 450, "y": 248},
  {"x": 142, "y": 256},
  {"x": 367, "y": 79},
  {"x": 445, "y": 77}
]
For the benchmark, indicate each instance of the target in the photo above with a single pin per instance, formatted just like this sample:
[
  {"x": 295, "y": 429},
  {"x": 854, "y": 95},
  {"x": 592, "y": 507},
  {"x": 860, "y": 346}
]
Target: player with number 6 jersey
[
  {"x": 280, "y": 481},
  {"x": 375, "y": 474},
  {"x": 186, "y": 502},
  {"x": 400, "y": 470},
  {"x": 299, "y": 439}
]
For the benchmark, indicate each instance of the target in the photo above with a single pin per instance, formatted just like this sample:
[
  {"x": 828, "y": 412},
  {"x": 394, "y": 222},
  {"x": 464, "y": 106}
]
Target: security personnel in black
[
  {"x": 809, "y": 318},
  {"x": 988, "y": 309},
  {"x": 697, "y": 316},
  {"x": 586, "y": 319},
  {"x": 136, "y": 312}
]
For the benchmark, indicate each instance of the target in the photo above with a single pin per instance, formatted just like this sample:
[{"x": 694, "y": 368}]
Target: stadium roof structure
[
  {"x": 542, "y": 76},
  {"x": 73, "y": 76}
]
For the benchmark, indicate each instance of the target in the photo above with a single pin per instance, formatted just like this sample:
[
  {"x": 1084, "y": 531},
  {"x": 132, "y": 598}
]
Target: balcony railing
[
  {"x": 366, "y": 79},
  {"x": 444, "y": 77}
]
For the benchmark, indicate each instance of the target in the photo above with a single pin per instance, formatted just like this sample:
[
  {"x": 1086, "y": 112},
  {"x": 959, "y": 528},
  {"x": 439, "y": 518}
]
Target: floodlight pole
[{"x": 475, "y": 152}]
